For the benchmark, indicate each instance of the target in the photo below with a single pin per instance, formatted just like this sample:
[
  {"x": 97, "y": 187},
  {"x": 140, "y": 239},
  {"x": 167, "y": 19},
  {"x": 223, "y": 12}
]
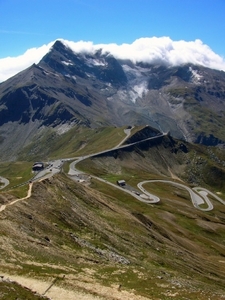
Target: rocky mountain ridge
[{"x": 97, "y": 90}]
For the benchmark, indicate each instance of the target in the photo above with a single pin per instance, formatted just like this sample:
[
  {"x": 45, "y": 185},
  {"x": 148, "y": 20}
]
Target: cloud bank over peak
[
  {"x": 156, "y": 50},
  {"x": 160, "y": 50}
]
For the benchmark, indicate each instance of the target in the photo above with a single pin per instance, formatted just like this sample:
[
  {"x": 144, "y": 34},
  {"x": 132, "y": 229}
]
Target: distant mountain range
[{"x": 94, "y": 90}]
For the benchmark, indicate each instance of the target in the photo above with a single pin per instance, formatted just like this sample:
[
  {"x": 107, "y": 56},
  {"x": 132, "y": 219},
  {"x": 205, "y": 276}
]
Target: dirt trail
[
  {"x": 94, "y": 291},
  {"x": 55, "y": 293},
  {"x": 3, "y": 207}
]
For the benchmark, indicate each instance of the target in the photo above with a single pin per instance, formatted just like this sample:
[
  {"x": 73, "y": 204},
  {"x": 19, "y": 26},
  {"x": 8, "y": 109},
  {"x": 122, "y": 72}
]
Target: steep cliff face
[{"x": 96, "y": 89}]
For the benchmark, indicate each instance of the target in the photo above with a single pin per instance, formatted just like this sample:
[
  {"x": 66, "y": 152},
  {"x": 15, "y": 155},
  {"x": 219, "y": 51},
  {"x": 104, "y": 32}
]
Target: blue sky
[
  {"x": 187, "y": 30},
  {"x": 32, "y": 23}
]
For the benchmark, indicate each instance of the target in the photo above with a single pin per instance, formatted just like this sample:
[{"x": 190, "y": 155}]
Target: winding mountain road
[
  {"x": 74, "y": 171},
  {"x": 198, "y": 195},
  {"x": 3, "y": 182}
]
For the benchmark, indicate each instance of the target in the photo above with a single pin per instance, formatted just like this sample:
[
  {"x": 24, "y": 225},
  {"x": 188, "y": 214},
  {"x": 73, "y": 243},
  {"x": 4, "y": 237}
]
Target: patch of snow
[
  {"x": 196, "y": 77},
  {"x": 67, "y": 63},
  {"x": 137, "y": 78},
  {"x": 69, "y": 76},
  {"x": 131, "y": 94},
  {"x": 140, "y": 89},
  {"x": 96, "y": 62}
]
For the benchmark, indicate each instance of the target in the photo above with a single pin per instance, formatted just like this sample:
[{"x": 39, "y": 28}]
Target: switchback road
[{"x": 198, "y": 195}]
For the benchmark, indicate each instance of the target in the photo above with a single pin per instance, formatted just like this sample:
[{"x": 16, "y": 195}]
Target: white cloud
[
  {"x": 151, "y": 50},
  {"x": 157, "y": 50},
  {"x": 10, "y": 66}
]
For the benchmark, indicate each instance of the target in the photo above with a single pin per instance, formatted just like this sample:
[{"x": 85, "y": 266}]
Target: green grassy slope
[
  {"x": 155, "y": 251},
  {"x": 98, "y": 236},
  {"x": 77, "y": 141}
]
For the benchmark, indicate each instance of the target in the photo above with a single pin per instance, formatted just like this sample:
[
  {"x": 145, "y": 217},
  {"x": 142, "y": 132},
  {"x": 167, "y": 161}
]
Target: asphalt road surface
[
  {"x": 3, "y": 182},
  {"x": 198, "y": 195}
]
